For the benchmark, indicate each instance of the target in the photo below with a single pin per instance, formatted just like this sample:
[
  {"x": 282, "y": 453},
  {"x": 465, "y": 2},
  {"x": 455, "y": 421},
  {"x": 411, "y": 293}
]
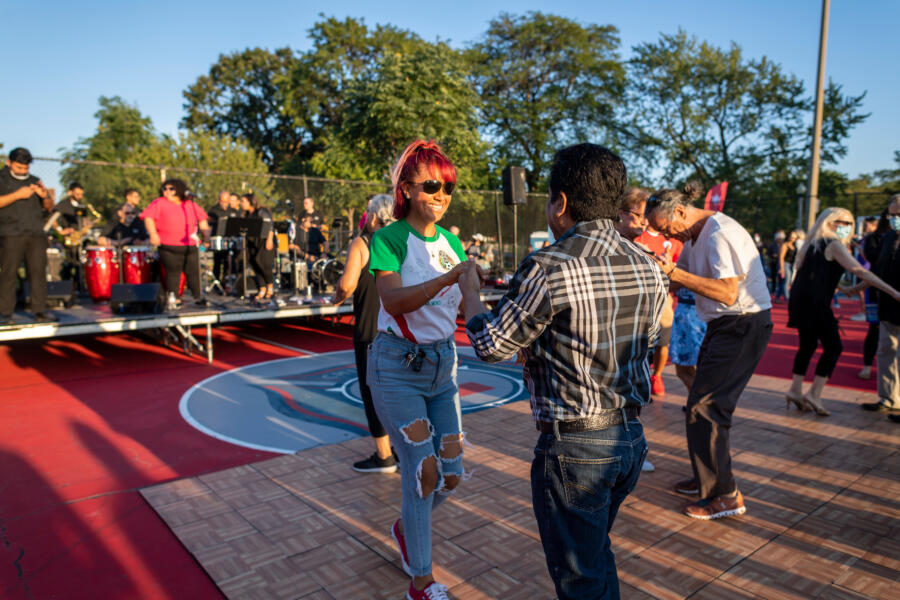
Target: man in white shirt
[{"x": 721, "y": 266}]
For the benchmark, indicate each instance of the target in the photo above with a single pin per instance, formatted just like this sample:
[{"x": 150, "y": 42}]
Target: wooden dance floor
[{"x": 823, "y": 518}]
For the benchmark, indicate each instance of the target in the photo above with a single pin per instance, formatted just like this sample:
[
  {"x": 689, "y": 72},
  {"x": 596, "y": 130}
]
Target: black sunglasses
[
  {"x": 168, "y": 188},
  {"x": 431, "y": 186}
]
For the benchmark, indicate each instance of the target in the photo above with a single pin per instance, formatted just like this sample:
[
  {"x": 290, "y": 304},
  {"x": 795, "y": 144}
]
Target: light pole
[
  {"x": 817, "y": 121},
  {"x": 801, "y": 197}
]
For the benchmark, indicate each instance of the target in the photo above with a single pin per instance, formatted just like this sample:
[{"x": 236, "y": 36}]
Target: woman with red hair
[{"x": 412, "y": 362}]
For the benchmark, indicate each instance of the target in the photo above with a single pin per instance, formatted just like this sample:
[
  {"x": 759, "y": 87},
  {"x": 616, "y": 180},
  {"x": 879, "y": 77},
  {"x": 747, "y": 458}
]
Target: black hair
[
  {"x": 129, "y": 191},
  {"x": 179, "y": 185},
  {"x": 592, "y": 178},
  {"x": 75, "y": 186},
  {"x": 254, "y": 203},
  {"x": 884, "y": 222},
  {"x": 20, "y": 155}
]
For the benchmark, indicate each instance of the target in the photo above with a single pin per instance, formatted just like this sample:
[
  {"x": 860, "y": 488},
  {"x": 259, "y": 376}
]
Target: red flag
[{"x": 715, "y": 197}]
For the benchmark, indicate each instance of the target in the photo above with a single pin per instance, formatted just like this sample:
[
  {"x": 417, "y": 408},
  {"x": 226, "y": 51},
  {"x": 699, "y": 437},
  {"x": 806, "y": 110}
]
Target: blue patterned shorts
[{"x": 687, "y": 335}]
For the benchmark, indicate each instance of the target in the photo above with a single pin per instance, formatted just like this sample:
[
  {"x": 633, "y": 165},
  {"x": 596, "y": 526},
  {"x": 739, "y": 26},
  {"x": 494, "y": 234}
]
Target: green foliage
[
  {"x": 241, "y": 97},
  {"x": 124, "y": 135},
  {"x": 545, "y": 82},
  {"x": 709, "y": 114},
  {"x": 420, "y": 94}
]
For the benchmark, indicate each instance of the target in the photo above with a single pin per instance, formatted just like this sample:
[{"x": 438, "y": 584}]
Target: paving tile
[
  {"x": 788, "y": 568},
  {"x": 661, "y": 575},
  {"x": 823, "y": 519}
]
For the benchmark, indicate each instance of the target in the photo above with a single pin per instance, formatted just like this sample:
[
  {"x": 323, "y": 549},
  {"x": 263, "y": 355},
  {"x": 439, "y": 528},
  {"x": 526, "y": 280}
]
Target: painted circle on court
[{"x": 292, "y": 404}]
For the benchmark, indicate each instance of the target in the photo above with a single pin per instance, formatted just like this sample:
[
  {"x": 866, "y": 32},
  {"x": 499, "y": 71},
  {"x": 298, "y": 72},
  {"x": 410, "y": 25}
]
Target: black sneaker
[
  {"x": 876, "y": 406},
  {"x": 375, "y": 464}
]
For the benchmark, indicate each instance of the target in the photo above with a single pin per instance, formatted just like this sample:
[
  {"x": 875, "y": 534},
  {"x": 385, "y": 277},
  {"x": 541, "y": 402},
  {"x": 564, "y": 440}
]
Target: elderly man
[
  {"x": 720, "y": 264},
  {"x": 582, "y": 313},
  {"x": 22, "y": 236}
]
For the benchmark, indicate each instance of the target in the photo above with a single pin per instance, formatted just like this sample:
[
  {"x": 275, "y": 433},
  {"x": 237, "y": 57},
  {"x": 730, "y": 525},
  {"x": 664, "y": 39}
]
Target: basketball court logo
[{"x": 292, "y": 404}]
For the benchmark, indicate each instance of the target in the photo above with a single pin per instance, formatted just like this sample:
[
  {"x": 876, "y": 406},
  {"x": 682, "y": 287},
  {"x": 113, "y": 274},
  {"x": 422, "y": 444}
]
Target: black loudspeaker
[
  {"x": 135, "y": 298},
  {"x": 59, "y": 293},
  {"x": 514, "y": 186}
]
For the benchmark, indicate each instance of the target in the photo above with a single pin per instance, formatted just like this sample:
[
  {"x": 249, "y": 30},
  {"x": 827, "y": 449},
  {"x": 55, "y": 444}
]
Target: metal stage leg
[
  {"x": 188, "y": 341},
  {"x": 209, "y": 346}
]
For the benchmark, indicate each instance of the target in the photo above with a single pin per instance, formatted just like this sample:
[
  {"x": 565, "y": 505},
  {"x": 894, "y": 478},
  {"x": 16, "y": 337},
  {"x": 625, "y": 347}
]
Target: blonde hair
[{"x": 822, "y": 229}]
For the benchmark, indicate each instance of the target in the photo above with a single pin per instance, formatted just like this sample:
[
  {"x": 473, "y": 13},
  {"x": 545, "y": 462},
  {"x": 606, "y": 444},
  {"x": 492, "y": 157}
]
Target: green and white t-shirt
[{"x": 399, "y": 248}]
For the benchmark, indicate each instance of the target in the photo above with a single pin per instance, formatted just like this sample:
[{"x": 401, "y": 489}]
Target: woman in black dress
[
  {"x": 261, "y": 250},
  {"x": 820, "y": 264},
  {"x": 358, "y": 281}
]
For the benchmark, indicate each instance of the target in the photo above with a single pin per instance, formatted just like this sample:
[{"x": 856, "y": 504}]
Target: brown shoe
[
  {"x": 688, "y": 487},
  {"x": 717, "y": 508}
]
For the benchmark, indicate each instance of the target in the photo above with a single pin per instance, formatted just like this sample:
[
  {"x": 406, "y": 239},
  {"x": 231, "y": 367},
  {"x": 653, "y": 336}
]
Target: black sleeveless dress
[
  {"x": 814, "y": 285},
  {"x": 365, "y": 304}
]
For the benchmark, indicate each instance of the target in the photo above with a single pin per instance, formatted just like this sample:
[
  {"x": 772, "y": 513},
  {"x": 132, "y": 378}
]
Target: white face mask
[{"x": 19, "y": 177}]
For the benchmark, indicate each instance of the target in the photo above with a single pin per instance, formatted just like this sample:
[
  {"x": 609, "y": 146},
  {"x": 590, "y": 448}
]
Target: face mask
[
  {"x": 843, "y": 231},
  {"x": 19, "y": 177},
  {"x": 895, "y": 223}
]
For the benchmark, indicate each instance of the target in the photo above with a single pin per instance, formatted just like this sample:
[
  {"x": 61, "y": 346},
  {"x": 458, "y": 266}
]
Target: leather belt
[{"x": 605, "y": 420}]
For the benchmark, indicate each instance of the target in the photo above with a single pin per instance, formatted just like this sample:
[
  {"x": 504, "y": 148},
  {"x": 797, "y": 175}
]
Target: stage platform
[{"x": 89, "y": 318}]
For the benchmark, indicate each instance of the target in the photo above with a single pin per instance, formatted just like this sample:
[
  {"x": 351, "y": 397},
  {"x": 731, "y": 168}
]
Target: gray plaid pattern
[{"x": 585, "y": 312}]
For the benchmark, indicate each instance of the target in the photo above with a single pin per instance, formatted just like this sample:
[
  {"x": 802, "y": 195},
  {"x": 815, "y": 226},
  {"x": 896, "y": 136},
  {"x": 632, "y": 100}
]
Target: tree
[
  {"x": 242, "y": 97},
  {"x": 210, "y": 151},
  {"x": 545, "y": 82},
  {"x": 422, "y": 94},
  {"x": 124, "y": 135},
  {"x": 702, "y": 112},
  {"x": 122, "y": 131},
  {"x": 315, "y": 89}
]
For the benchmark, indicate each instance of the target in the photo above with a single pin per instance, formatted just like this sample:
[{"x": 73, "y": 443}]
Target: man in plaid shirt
[{"x": 582, "y": 314}]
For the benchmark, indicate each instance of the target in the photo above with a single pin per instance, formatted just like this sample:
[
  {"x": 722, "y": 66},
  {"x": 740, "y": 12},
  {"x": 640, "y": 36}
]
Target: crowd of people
[
  {"x": 174, "y": 224},
  {"x": 634, "y": 278}
]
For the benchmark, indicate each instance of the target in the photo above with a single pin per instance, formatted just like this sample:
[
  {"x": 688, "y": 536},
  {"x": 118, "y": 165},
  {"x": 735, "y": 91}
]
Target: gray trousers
[
  {"x": 888, "y": 364},
  {"x": 731, "y": 349}
]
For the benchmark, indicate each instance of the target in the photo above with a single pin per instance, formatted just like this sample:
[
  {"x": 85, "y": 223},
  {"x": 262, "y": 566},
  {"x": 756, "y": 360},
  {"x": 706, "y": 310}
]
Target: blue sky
[{"x": 61, "y": 56}]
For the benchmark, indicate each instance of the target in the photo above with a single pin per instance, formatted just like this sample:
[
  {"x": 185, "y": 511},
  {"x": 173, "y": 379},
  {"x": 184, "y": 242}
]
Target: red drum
[
  {"x": 101, "y": 271},
  {"x": 181, "y": 282},
  {"x": 138, "y": 264}
]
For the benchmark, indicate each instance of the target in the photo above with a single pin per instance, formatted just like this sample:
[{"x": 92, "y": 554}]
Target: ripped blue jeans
[{"x": 420, "y": 411}]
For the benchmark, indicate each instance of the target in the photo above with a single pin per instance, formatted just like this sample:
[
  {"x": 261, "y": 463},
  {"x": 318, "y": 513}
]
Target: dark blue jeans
[{"x": 578, "y": 482}]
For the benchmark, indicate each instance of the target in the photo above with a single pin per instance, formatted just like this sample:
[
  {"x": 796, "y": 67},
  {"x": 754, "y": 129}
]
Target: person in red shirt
[
  {"x": 173, "y": 222},
  {"x": 660, "y": 245}
]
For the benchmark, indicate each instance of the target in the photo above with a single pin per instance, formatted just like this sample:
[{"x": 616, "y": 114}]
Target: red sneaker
[
  {"x": 432, "y": 591},
  {"x": 401, "y": 544},
  {"x": 657, "y": 387}
]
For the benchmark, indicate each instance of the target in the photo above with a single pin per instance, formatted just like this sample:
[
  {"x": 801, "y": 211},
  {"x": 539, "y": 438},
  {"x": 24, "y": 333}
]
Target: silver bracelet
[{"x": 424, "y": 291}]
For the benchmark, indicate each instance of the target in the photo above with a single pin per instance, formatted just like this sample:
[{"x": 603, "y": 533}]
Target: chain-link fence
[
  {"x": 506, "y": 229},
  {"x": 342, "y": 202}
]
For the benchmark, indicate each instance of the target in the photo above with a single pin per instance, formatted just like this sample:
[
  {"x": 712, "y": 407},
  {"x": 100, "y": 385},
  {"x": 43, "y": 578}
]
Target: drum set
[{"x": 105, "y": 266}]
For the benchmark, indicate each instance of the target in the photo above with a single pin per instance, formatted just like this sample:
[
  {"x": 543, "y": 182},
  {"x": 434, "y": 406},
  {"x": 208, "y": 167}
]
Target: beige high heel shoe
[
  {"x": 797, "y": 400},
  {"x": 816, "y": 408}
]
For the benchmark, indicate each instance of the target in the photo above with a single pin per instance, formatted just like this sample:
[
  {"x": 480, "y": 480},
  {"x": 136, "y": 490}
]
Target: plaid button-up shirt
[{"x": 585, "y": 311}]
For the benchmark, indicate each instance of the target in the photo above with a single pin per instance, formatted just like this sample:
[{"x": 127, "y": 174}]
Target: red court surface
[{"x": 86, "y": 422}]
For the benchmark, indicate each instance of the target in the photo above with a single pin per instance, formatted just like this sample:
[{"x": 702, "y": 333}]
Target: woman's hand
[
  {"x": 154, "y": 239},
  {"x": 269, "y": 244}
]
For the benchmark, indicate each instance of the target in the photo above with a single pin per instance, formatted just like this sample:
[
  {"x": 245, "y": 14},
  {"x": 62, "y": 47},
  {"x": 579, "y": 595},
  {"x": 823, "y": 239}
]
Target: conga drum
[
  {"x": 138, "y": 264},
  {"x": 101, "y": 271}
]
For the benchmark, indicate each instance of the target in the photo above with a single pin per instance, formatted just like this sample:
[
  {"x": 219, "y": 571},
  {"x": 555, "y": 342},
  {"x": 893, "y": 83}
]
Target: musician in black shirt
[
  {"x": 308, "y": 241},
  {"x": 218, "y": 214},
  {"x": 261, "y": 250},
  {"x": 126, "y": 230},
  {"x": 22, "y": 236}
]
